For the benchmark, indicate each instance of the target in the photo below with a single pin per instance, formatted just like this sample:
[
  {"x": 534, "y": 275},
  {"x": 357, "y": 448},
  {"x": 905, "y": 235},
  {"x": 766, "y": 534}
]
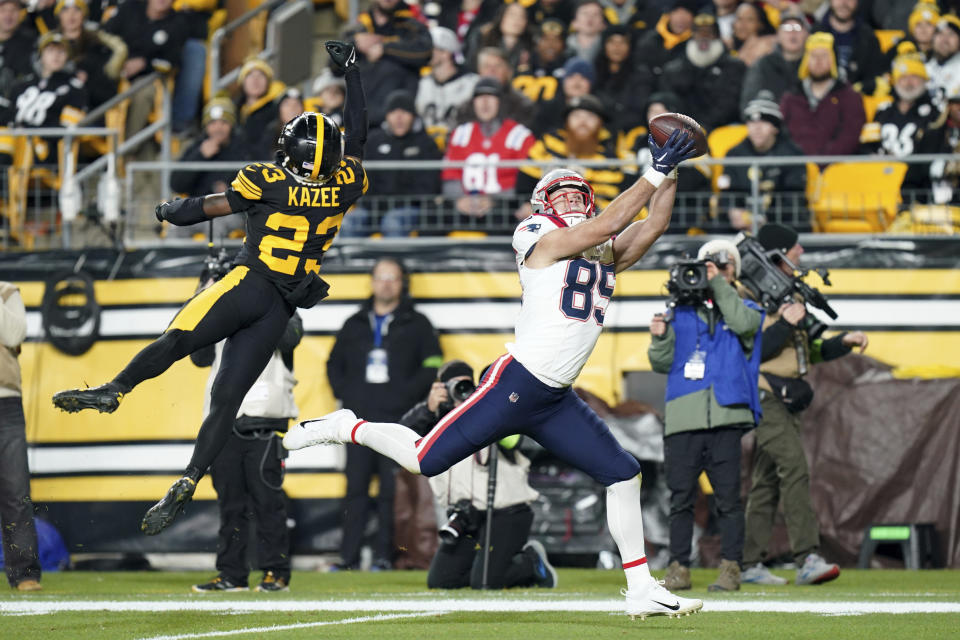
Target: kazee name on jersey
[{"x": 313, "y": 196}]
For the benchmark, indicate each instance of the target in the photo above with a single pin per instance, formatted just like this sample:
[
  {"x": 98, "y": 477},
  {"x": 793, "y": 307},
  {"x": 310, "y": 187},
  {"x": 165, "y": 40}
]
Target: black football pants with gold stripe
[{"x": 246, "y": 309}]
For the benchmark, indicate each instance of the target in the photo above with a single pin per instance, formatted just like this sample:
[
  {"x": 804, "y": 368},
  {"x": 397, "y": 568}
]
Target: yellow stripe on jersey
[
  {"x": 70, "y": 116},
  {"x": 318, "y": 150},
  {"x": 197, "y": 308},
  {"x": 246, "y": 188}
]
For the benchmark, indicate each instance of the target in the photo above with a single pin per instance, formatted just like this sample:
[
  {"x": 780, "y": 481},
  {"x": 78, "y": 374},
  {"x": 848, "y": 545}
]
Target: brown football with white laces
[{"x": 663, "y": 125}]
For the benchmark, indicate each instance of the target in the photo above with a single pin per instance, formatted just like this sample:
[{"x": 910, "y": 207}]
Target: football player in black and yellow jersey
[{"x": 294, "y": 209}]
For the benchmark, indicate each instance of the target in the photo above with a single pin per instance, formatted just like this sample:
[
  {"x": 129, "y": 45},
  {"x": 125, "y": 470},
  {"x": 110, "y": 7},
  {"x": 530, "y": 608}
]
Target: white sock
[
  {"x": 395, "y": 441},
  {"x": 626, "y": 527}
]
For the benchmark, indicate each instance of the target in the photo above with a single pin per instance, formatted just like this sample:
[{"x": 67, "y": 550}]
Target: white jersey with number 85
[{"x": 563, "y": 305}]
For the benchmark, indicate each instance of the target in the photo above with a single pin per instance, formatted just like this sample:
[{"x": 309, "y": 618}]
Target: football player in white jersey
[{"x": 568, "y": 259}]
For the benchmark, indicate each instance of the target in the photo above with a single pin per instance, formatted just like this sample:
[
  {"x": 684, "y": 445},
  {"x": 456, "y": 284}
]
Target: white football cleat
[
  {"x": 657, "y": 601},
  {"x": 333, "y": 428}
]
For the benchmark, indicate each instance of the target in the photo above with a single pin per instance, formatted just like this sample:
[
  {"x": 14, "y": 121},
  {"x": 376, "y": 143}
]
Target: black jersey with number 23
[{"x": 290, "y": 224}]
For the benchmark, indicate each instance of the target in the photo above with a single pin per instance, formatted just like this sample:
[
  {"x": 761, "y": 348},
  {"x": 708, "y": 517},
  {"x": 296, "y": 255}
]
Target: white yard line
[
  {"x": 496, "y": 605},
  {"x": 287, "y": 627}
]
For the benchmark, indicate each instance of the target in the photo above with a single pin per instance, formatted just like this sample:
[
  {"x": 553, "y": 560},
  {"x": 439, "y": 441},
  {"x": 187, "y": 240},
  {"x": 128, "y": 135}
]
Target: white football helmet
[{"x": 543, "y": 197}]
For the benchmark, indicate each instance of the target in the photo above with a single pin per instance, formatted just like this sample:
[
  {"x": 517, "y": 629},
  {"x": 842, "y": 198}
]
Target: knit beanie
[
  {"x": 454, "y": 369},
  {"x": 777, "y": 236},
  {"x": 820, "y": 40}
]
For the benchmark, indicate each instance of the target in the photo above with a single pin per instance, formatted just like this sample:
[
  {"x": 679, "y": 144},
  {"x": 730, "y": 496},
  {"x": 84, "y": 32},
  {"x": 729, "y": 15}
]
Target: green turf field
[{"x": 396, "y": 605}]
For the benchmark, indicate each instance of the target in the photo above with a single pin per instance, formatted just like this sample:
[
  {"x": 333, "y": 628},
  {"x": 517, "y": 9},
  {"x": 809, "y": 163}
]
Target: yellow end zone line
[
  {"x": 506, "y": 285},
  {"x": 151, "y": 488}
]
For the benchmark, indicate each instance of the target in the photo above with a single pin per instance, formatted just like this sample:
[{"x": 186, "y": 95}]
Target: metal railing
[
  {"x": 866, "y": 208},
  {"x": 216, "y": 43},
  {"x": 706, "y": 211}
]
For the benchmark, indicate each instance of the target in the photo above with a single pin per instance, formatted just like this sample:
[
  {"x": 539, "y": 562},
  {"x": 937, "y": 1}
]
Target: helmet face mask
[
  {"x": 311, "y": 147},
  {"x": 566, "y": 187}
]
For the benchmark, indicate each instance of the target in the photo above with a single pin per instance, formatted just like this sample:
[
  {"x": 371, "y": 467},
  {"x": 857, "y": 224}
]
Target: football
[{"x": 663, "y": 125}]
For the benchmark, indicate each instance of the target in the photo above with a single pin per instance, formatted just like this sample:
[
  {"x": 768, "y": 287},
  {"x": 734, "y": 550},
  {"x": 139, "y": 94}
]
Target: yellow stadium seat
[
  {"x": 887, "y": 37},
  {"x": 467, "y": 235},
  {"x": 862, "y": 192},
  {"x": 720, "y": 141},
  {"x": 928, "y": 219},
  {"x": 872, "y": 103},
  {"x": 813, "y": 182},
  {"x": 724, "y": 138}
]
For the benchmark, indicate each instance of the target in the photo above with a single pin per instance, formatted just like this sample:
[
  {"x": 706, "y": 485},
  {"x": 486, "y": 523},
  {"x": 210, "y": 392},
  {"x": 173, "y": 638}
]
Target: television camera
[{"x": 771, "y": 287}]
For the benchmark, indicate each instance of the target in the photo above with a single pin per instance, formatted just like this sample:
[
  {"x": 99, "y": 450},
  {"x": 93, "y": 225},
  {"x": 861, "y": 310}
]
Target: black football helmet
[{"x": 311, "y": 146}]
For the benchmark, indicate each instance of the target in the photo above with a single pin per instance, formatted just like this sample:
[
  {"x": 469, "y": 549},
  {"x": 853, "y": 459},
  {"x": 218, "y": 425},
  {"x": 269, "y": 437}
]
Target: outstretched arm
[
  {"x": 633, "y": 243},
  {"x": 561, "y": 243},
  {"x": 344, "y": 57},
  {"x": 190, "y": 211}
]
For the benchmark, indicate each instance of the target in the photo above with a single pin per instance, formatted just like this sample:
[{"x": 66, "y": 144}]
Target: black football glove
[
  {"x": 161, "y": 210},
  {"x": 343, "y": 54},
  {"x": 679, "y": 146}
]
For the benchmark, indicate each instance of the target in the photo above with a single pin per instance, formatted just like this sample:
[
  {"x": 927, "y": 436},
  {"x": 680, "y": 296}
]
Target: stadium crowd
[{"x": 482, "y": 81}]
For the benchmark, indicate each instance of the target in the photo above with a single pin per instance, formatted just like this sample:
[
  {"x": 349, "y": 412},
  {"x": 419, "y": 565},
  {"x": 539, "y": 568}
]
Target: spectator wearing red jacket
[
  {"x": 824, "y": 115},
  {"x": 484, "y": 142}
]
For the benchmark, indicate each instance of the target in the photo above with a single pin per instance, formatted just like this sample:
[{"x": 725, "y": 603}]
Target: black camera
[
  {"x": 458, "y": 391},
  {"x": 463, "y": 519},
  {"x": 688, "y": 283},
  {"x": 771, "y": 287},
  {"x": 215, "y": 266}
]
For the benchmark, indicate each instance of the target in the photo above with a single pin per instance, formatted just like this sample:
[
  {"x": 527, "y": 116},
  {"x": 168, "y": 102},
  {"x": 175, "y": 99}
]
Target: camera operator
[
  {"x": 709, "y": 348},
  {"x": 514, "y": 561},
  {"x": 791, "y": 343}
]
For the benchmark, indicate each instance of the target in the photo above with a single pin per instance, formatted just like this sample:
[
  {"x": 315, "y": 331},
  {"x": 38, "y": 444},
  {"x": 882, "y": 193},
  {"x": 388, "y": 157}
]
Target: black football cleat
[
  {"x": 105, "y": 398},
  {"x": 162, "y": 514}
]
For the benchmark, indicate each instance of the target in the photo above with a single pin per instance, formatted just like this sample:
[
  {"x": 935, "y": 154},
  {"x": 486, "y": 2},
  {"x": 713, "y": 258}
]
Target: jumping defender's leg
[
  {"x": 245, "y": 354},
  {"x": 208, "y": 317}
]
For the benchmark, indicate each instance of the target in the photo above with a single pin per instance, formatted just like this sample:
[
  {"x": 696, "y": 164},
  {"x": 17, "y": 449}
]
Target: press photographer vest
[
  {"x": 727, "y": 370},
  {"x": 786, "y": 363}
]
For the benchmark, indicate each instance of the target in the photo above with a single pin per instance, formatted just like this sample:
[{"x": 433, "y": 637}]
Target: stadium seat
[
  {"x": 867, "y": 193},
  {"x": 927, "y": 219},
  {"x": 467, "y": 235},
  {"x": 887, "y": 37},
  {"x": 720, "y": 141}
]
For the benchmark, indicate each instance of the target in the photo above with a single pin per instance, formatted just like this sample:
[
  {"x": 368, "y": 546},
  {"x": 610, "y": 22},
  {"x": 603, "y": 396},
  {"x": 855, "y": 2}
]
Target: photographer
[
  {"x": 247, "y": 474},
  {"x": 709, "y": 348},
  {"x": 791, "y": 343},
  {"x": 514, "y": 561}
]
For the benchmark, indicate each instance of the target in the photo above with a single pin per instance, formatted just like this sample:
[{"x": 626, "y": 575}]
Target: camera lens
[
  {"x": 690, "y": 276},
  {"x": 461, "y": 390}
]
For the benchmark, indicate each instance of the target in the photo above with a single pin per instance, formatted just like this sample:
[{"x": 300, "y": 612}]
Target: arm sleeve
[
  {"x": 742, "y": 320},
  {"x": 774, "y": 337},
  {"x": 354, "y": 115},
  {"x": 832, "y": 348},
  {"x": 660, "y": 351}
]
